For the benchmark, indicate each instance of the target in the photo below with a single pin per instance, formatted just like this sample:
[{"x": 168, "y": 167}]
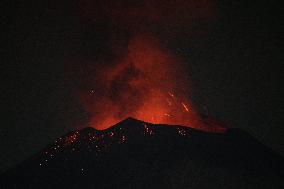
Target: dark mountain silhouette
[{"x": 135, "y": 154}]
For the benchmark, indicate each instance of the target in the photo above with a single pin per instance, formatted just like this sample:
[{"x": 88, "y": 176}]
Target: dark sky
[{"x": 234, "y": 67}]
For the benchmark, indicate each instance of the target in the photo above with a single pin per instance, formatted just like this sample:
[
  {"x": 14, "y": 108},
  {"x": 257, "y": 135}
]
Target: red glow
[
  {"x": 185, "y": 107},
  {"x": 143, "y": 80},
  {"x": 71, "y": 138},
  {"x": 145, "y": 84}
]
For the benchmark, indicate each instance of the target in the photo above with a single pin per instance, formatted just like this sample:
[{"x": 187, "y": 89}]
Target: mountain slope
[{"x": 135, "y": 154}]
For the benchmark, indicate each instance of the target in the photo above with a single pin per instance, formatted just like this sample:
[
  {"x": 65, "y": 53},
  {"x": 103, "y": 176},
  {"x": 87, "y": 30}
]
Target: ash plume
[{"x": 138, "y": 76}]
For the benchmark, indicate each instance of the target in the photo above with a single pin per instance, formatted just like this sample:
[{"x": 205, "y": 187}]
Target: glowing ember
[
  {"x": 185, "y": 107},
  {"x": 148, "y": 130},
  {"x": 71, "y": 138},
  {"x": 123, "y": 139},
  {"x": 182, "y": 132},
  {"x": 171, "y": 94},
  {"x": 100, "y": 142}
]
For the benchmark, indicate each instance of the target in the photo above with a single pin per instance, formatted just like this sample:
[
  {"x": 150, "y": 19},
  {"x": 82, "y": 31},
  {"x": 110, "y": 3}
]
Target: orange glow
[
  {"x": 145, "y": 84},
  {"x": 185, "y": 107},
  {"x": 136, "y": 76}
]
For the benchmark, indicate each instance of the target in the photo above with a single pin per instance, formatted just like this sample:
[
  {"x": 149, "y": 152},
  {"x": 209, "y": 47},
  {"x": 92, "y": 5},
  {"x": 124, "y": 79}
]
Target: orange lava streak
[{"x": 185, "y": 107}]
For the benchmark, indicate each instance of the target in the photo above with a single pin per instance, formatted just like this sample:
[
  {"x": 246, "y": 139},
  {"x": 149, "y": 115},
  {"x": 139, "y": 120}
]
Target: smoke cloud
[{"x": 141, "y": 78}]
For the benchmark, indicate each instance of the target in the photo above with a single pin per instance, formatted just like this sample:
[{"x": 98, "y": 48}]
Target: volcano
[{"x": 137, "y": 154}]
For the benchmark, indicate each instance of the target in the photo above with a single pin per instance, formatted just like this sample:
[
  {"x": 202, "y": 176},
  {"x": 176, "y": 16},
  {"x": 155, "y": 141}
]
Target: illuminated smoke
[
  {"x": 144, "y": 80},
  {"x": 147, "y": 83}
]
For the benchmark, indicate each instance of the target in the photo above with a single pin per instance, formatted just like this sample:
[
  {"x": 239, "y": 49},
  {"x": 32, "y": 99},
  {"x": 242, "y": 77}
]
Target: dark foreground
[{"x": 134, "y": 154}]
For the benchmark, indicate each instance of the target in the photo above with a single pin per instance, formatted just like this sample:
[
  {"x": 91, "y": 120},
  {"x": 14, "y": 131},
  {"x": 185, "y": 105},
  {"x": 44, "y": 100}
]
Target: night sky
[{"x": 233, "y": 61}]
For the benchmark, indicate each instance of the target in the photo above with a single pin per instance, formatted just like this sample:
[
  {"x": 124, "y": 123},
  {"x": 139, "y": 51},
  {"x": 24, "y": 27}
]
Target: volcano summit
[{"x": 136, "y": 154}]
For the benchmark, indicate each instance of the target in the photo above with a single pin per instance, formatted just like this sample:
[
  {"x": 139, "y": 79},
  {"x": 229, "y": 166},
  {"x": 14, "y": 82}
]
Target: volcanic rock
[{"x": 136, "y": 154}]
